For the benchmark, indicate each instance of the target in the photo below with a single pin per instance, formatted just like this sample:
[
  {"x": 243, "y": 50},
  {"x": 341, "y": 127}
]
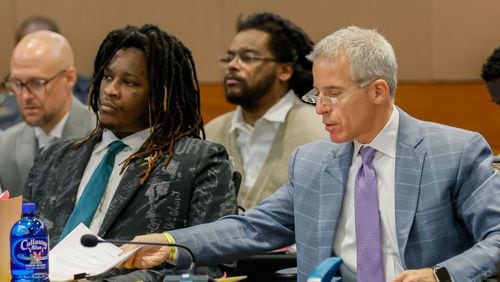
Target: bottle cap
[{"x": 29, "y": 208}]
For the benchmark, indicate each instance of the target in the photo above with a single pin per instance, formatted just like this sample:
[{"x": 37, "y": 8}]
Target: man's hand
[
  {"x": 147, "y": 256},
  {"x": 415, "y": 275}
]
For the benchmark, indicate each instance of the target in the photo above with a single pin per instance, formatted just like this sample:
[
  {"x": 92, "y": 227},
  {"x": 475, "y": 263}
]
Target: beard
[{"x": 249, "y": 96}]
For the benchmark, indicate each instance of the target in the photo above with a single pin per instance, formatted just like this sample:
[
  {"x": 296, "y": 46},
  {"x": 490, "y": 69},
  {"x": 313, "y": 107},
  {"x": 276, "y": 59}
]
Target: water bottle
[{"x": 29, "y": 248}]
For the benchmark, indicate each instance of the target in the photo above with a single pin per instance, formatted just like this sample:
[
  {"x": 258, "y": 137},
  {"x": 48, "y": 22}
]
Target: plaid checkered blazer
[{"x": 447, "y": 200}]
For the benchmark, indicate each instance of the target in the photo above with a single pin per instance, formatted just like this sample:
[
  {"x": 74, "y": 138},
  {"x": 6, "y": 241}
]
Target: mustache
[
  {"x": 107, "y": 103},
  {"x": 232, "y": 76}
]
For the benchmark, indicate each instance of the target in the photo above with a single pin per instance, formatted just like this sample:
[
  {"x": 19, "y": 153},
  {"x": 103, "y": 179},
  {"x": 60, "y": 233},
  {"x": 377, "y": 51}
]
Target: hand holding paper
[
  {"x": 148, "y": 256},
  {"x": 69, "y": 257}
]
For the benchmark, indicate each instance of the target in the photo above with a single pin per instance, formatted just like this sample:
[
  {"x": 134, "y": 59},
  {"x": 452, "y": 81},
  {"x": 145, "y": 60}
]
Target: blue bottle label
[{"x": 30, "y": 254}]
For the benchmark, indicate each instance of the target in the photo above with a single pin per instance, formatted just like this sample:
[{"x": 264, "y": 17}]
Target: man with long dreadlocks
[{"x": 145, "y": 95}]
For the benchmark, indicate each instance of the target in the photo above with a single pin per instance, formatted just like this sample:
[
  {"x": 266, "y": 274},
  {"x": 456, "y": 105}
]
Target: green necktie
[{"x": 91, "y": 196}]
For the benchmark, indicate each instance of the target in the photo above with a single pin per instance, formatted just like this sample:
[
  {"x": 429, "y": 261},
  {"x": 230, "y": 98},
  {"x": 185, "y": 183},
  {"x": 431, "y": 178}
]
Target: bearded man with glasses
[
  {"x": 266, "y": 73},
  {"x": 41, "y": 78}
]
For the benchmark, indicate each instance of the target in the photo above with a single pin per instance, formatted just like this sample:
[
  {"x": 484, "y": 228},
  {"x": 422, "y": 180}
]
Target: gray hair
[{"x": 370, "y": 54}]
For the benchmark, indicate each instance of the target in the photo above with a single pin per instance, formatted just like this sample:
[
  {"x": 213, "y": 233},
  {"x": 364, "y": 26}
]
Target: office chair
[{"x": 237, "y": 183}]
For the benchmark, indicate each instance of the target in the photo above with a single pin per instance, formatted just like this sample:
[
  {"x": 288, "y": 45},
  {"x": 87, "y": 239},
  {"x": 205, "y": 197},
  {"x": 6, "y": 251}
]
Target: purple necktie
[{"x": 368, "y": 241}]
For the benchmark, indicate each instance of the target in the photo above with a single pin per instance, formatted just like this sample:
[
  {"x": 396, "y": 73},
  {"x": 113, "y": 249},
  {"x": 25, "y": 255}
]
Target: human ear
[
  {"x": 71, "y": 77},
  {"x": 285, "y": 72},
  {"x": 380, "y": 90}
]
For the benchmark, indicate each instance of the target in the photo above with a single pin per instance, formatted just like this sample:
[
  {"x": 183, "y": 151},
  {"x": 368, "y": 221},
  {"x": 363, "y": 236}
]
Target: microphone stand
[{"x": 89, "y": 240}]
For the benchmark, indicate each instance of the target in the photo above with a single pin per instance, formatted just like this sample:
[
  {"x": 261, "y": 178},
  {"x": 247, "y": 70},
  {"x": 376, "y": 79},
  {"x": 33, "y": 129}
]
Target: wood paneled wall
[
  {"x": 464, "y": 105},
  {"x": 434, "y": 40}
]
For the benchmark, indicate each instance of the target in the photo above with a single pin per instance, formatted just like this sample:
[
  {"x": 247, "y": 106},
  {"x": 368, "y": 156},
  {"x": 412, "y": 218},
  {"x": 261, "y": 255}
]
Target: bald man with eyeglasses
[{"x": 42, "y": 76}]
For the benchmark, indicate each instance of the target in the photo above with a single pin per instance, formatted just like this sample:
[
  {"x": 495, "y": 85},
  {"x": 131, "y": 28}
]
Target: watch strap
[{"x": 441, "y": 273}]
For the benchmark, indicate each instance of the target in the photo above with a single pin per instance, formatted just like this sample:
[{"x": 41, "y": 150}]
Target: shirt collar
[
  {"x": 133, "y": 141},
  {"x": 385, "y": 141},
  {"x": 277, "y": 113},
  {"x": 55, "y": 132}
]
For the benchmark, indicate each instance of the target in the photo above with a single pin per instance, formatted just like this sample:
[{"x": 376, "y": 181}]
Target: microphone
[{"x": 91, "y": 240}]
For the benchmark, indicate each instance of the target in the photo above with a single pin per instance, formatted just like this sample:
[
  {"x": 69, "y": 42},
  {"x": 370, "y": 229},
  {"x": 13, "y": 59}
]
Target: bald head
[
  {"x": 43, "y": 48},
  {"x": 43, "y": 58}
]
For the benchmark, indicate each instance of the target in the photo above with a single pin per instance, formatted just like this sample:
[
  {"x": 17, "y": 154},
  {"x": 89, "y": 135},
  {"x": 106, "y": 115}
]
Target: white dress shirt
[
  {"x": 45, "y": 139},
  {"x": 133, "y": 143},
  {"x": 255, "y": 142},
  {"x": 385, "y": 167}
]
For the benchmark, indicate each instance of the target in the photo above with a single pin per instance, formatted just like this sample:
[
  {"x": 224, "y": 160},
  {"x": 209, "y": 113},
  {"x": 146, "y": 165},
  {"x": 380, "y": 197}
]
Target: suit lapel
[
  {"x": 284, "y": 141},
  {"x": 270, "y": 164},
  {"x": 127, "y": 188},
  {"x": 70, "y": 181},
  {"x": 233, "y": 147},
  {"x": 73, "y": 127},
  {"x": 332, "y": 185},
  {"x": 25, "y": 152},
  {"x": 236, "y": 159},
  {"x": 409, "y": 164}
]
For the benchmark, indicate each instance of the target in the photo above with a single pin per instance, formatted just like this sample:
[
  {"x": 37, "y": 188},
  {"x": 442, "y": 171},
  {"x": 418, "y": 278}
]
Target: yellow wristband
[{"x": 173, "y": 250}]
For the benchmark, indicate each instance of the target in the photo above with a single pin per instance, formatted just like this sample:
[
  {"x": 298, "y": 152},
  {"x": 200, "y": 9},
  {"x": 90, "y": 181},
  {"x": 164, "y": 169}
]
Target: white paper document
[{"x": 70, "y": 257}]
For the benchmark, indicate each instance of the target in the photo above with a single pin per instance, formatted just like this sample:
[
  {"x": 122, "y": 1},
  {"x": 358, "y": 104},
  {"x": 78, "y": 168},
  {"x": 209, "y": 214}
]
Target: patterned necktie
[
  {"x": 44, "y": 142},
  {"x": 368, "y": 234},
  {"x": 92, "y": 194}
]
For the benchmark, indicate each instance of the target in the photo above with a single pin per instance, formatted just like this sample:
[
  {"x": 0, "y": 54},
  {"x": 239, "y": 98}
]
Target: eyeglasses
[
  {"x": 313, "y": 97},
  {"x": 34, "y": 87},
  {"x": 243, "y": 59}
]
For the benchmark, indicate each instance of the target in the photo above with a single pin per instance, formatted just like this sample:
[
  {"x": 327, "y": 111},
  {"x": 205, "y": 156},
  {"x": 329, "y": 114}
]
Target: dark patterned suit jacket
[{"x": 194, "y": 188}]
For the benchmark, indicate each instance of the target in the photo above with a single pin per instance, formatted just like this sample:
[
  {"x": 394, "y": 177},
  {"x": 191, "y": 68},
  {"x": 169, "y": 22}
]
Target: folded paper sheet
[{"x": 71, "y": 258}]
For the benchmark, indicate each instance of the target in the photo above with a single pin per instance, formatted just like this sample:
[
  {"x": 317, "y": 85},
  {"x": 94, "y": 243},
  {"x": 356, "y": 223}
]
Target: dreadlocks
[
  {"x": 173, "y": 98},
  {"x": 288, "y": 43}
]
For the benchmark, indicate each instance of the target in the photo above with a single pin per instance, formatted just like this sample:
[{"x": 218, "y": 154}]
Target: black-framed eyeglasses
[
  {"x": 34, "y": 86},
  {"x": 243, "y": 59}
]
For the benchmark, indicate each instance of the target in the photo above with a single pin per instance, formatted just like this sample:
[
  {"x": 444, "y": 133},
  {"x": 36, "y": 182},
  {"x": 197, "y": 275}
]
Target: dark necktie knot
[
  {"x": 367, "y": 155},
  {"x": 115, "y": 147}
]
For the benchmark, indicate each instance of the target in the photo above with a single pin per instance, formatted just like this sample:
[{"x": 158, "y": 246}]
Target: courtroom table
[{"x": 263, "y": 267}]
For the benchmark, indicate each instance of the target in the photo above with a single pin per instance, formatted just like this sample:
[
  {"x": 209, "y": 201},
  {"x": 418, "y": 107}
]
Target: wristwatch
[{"x": 441, "y": 273}]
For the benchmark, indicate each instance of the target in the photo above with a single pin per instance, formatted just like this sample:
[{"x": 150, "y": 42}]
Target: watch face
[{"x": 442, "y": 274}]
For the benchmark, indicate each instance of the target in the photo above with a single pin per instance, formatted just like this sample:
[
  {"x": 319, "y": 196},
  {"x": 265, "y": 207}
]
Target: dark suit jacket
[{"x": 195, "y": 187}]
